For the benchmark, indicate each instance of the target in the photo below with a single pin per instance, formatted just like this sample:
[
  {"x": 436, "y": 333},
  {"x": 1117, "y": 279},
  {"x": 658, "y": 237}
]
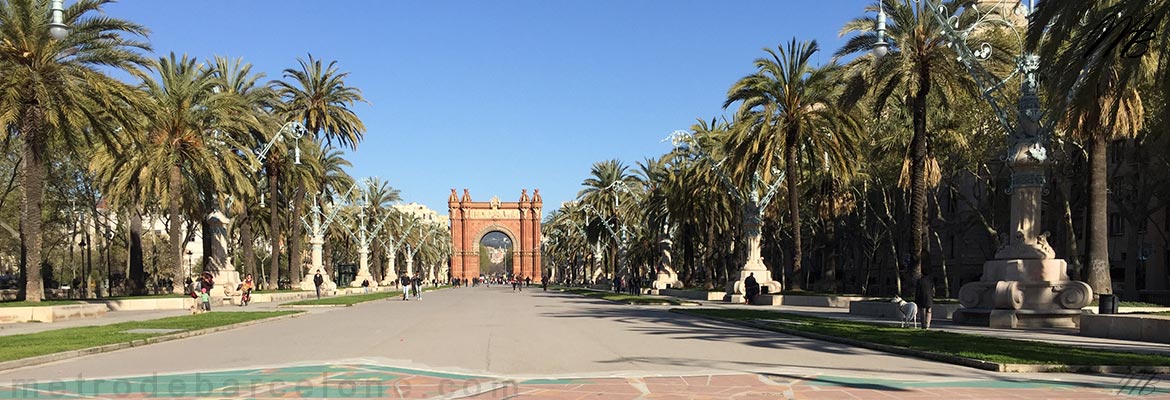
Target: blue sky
[{"x": 495, "y": 96}]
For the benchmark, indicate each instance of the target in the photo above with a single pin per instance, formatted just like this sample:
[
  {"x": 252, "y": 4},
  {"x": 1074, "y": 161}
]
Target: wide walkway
[{"x": 493, "y": 342}]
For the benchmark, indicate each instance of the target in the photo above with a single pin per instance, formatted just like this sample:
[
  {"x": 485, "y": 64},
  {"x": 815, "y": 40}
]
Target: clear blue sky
[{"x": 495, "y": 96}]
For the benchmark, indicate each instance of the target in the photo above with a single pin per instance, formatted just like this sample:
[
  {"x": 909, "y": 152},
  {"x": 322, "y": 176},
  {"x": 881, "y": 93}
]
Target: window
[
  {"x": 1116, "y": 152},
  {"x": 1116, "y": 224},
  {"x": 1142, "y": 225}
]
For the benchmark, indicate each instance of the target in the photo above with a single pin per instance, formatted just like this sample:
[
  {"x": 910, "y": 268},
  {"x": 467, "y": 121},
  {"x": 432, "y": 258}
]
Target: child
[{"x": 205, "y": 298}]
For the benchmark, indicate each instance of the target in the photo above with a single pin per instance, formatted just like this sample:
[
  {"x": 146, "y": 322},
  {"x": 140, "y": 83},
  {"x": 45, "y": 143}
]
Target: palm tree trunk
[
  {"x": 798, "y": 272},
  {"x": 1071, "y": 253},
  {"x": 918, "y": 177},
  {"x": 296, "y": 263},
  {"x": 32, "y": 182},
  {"x": 173, "y": 230},
  {"x": 246, "y": 239},
  {"x": 1098, "y": 277},
  {"x": 273, "y": 235},
  {"x": 137, "y": 269}
]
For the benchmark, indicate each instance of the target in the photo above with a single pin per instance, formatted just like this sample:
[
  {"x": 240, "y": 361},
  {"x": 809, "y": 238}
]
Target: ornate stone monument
[
  {"x": 219, "y": 264},
  {"x": 752, "y": 215},
  {"x": 1025, "y": 285},
  {"x": 666, "y": 277}
]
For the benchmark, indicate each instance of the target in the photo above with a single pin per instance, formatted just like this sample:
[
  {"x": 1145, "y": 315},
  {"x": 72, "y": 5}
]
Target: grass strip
[
  {"x": 345, "y": 300},
  {"x": 42, "y": 303},
  {"x": 990, "y": 349},
  {"x": 625, "y": 298},
  {"x": 66, "y": 339}
]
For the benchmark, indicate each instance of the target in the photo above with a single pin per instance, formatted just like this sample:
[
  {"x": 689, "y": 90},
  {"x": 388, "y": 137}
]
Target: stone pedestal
[
  {"x": 666, "y": 279},
  {"x": 391, "y": 278},
  {"x": 1023, "y": 294},
  {"x": 757, "y": 269},
  {"x": 363, "y": 273},
  {"x": 315, "y": 243},
  {"x": 219, "y": 264}
]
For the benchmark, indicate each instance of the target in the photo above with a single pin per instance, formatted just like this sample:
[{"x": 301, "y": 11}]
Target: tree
[
  {"x": 1093, "y": 88},
  {"x": 919, "y": 67},
  {"x": 788, "y": 106},
  {"x": 55, "y": 92},
  {"x": 317, "y": 96},
  {"x": 184, "y": 116}
]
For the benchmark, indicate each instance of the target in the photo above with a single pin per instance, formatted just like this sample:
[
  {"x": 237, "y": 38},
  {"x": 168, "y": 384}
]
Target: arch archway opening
[{"x": 496, "y": 255}]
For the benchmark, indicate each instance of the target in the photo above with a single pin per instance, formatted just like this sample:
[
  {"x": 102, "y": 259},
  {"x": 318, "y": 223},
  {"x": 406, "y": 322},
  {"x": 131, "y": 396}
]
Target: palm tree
[
  {"x": 918, "y": 67},
  {"x": 244, "y": 88},
  {"x": 184, "y": 115},
  {"x": 789, "y": 106},
  {"x": 1093, "y": 88},
  {"x": 318, "y": 97},
  {"x": 380, "y": 196},
  {"x": 603, "y": 192},
  {"x": 55, "y": 92}
]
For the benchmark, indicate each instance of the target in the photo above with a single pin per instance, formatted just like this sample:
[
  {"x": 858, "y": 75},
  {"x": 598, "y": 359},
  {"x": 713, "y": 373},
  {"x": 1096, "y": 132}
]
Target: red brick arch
[{"x": 520, "y": 220}]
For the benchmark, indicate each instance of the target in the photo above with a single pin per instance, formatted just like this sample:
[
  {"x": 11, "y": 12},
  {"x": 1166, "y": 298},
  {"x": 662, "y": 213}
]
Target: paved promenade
[{"x": 493, "y": 343}]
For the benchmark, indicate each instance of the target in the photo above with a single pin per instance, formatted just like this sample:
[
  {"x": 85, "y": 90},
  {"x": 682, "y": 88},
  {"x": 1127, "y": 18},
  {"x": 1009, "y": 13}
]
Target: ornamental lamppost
[{"x": 1025, "y": 285}]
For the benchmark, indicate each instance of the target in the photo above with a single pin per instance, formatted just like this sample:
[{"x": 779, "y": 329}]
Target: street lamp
[
  {"x": 881, "y": 47},
  {"x": 57, "y": 28}
]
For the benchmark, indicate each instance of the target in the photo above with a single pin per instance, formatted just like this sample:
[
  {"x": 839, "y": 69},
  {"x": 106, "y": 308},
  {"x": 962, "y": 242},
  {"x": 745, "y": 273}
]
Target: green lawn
[
  {"x": 1096, "y": 303},
  {"x": 624, "y": 298},
  {"x": 1004, "y": 351},
  {"x": 345, "y": 300},
  {"x": 42, "y": 303},
  {"x": 55, "y": 341}
]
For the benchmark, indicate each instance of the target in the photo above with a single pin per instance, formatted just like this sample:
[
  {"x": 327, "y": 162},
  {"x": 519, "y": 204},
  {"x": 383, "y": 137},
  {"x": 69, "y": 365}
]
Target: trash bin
[{"x": 1107, "y": 304}]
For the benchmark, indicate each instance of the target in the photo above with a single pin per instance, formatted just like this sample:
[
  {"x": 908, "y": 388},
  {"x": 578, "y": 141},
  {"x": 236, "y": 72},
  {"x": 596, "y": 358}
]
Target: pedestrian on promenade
[
  {"x": 405, "y": 281},
  {"x": 318, "y": 280},
  {"x": 365, "y": 286},
  {"x": 924, "y": 297}
]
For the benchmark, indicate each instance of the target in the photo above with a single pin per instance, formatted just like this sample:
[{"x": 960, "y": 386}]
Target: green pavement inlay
[
  {"x": 375, "y": 381},
  {"x": 832, "y": 381}
]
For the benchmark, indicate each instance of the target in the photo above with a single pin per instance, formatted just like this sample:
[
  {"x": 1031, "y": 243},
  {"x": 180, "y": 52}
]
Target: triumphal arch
[{"x": 496, "y": 236}]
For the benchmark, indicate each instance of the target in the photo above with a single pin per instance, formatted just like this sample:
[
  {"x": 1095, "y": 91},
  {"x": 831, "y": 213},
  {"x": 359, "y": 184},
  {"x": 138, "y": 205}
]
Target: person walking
[
  {"x": 924, "y": 297},
  {"x": 365, "y": 286},
  {"x": 405, "y": 281},
  {"x": 318, "y": 280}
]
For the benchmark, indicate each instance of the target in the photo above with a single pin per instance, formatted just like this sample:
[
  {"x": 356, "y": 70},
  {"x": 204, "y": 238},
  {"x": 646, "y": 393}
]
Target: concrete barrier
[
  {"x": 693, "y": 294},
  {"x": 51, "y": 313},
  {"x": 885, "y": 309},
  {"x": 159, "y": 303},
  {"x": 820, "y": 301},
  {"x": 1139, "y": 327}
]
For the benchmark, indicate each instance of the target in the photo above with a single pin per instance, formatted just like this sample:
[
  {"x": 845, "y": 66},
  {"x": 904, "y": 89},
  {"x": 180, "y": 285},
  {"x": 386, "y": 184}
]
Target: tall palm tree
[
  {"x": 607, "y": 196},
  {"x": 380, "y": 197},
  {"x": 184, "y": 116},
  {"x": 1093, "y": 79},
  {"x": 919, "y": 67},
  {"x": 55, "y": 92},
  {"x": 246, "y": 90},
  {"x": 789, "y": 106},
  {"x": 317, "y": 96}
]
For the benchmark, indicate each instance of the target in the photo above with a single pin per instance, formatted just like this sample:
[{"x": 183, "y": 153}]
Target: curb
[
  {"x": 946, "y": 358},
  {"x": 313, "y": 305},
  {"x": 48, "y": 358}
]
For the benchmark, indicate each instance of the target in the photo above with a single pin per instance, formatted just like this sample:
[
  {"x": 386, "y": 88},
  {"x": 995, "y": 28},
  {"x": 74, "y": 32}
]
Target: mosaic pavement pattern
[{"x": 376, "y": 381}]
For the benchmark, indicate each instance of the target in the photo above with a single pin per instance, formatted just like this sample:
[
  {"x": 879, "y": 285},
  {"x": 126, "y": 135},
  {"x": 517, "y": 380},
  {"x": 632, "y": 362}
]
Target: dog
[{"x": 908, "y": 309}]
